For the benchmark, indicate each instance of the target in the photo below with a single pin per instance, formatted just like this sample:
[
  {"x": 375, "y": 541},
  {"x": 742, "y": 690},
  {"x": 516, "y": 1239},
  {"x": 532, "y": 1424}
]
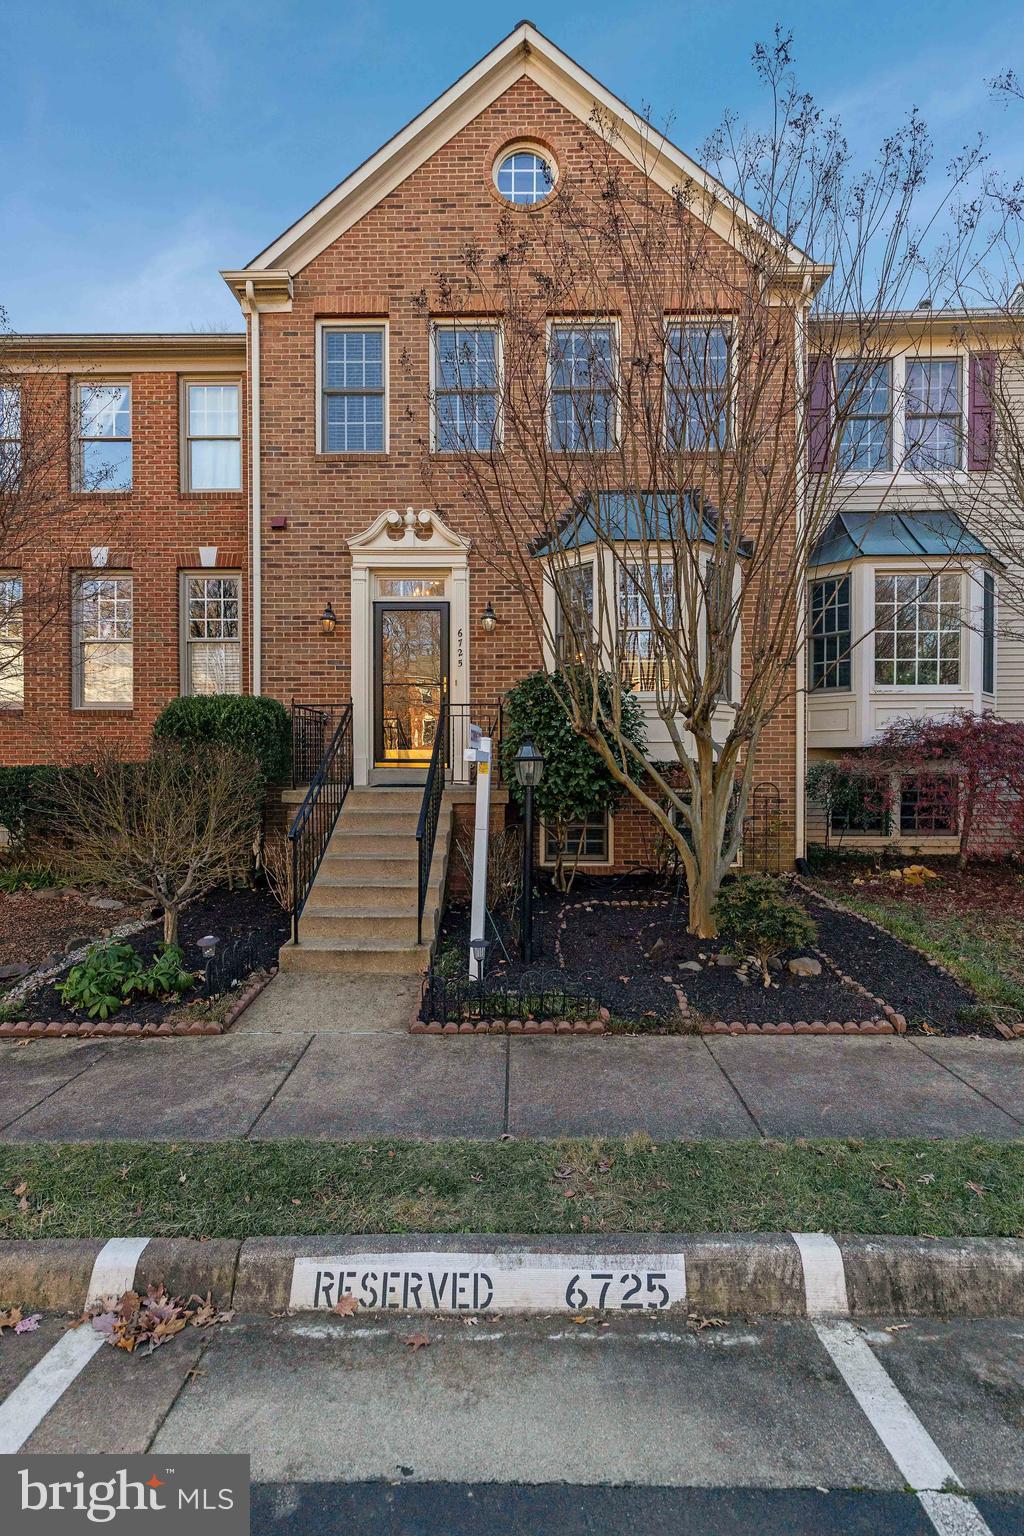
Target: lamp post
[{"x": 529, "y": 764}]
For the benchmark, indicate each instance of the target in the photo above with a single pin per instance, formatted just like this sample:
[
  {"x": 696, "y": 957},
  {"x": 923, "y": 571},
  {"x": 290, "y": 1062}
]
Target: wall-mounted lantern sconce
[
  {"x": 489, "y": 620},
  {"x": 328, "y": 620}
]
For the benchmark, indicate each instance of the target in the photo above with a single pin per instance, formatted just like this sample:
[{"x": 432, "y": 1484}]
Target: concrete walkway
[{"x": 388, "y": 1083}]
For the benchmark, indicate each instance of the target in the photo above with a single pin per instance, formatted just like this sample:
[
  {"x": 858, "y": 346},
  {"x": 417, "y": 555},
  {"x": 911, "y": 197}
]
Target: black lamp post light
[{"x": 529, "y": 764}]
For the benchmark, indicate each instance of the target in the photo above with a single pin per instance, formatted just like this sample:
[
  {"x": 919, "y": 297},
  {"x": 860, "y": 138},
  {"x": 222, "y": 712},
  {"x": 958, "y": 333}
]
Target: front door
[{"x": 411, "y": 673}]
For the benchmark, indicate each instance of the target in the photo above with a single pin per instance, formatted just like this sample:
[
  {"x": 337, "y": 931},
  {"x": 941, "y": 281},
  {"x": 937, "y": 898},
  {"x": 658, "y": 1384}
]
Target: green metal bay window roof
[
  {"x": 648, "y": 517},
  {"x": 884, "y": 535}
]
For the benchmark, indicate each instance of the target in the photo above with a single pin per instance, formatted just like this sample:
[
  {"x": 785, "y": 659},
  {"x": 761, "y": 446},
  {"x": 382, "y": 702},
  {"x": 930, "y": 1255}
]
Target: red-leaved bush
[{"x": 969, "y": 769}]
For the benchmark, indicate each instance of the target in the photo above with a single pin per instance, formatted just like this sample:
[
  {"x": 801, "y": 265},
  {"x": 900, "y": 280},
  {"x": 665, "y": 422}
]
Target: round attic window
[{"x": 523, "y": 175}]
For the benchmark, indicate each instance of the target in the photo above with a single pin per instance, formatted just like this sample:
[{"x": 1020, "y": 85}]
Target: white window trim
[
  {"x": 833, "y": 692},
  {"x": 9, "y": 705},
  {"x": 348, "y": 324},
  {"x": 585, "y": 861},
  {"x": 576, "y": 323},
  {"x": 524, "y": 147},
  {"x": 727, "y": 323},
  {"x": 79, "y": 705},
  {"x": 184, "y": 672},
  {"x": 186, "y": 434},
  {"x": 78, "y": 438},
  {"x": 899, "y": 474},
  {"x": 918, "y": 689},
  {"x": 459, "y": 324}
]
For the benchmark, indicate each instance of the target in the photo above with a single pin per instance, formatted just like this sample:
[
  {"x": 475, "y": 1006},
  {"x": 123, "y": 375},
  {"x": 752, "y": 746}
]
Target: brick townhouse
[{"x": 253, "y": 481}]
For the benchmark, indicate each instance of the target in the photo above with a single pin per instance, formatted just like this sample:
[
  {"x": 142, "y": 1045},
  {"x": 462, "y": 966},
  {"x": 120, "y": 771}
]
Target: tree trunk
[
  {"x": 170, "y": 925},
  {"x": 966, "y": 828}
]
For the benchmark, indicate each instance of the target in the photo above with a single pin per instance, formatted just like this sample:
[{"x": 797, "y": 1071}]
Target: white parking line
[
  {"x": 901, "y": 1432},
  {"x": 26, "y": 1407},
  {"x": 824, "y": 1275}
]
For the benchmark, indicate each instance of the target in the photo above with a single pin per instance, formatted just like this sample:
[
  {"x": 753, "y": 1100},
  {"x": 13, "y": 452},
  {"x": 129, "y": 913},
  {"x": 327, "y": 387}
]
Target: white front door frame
[{"x": 413, "y": 543}]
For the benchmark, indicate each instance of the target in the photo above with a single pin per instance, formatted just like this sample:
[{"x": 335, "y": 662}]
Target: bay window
[
  {"x": 830, "y": 632},
  {"x": 574, "y": 612},
  {"x": 647, "y": 603},
  {"x": 917, "y": 630}
]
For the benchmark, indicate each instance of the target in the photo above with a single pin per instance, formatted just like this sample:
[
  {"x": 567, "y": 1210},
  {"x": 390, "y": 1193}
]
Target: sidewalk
[{"x": 386, "y": 1083}]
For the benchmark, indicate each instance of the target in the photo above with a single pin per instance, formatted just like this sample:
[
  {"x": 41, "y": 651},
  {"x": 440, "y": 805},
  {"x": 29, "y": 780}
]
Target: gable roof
[
  {"x": 525, "y": 51},
  {"x": 884, "y": 535}
]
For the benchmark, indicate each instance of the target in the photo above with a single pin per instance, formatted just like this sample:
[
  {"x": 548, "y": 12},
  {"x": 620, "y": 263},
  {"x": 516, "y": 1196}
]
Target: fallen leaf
[
  {"x": 10, "y": 1318},
  {"x": 975, "y": 1189},
  {"x": 345, "y": 1306},
  {"x": 896, "y": 1327},
  {"x": 417, "y": 1341},
  {"x": 698, "y": 1323},
  {"x": 20, "y": 1189}
]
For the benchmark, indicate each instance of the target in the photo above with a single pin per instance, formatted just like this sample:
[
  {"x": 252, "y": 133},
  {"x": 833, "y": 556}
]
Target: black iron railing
[
  {"x": 430, "y": 810},
  {"x": 231, "y": 963},
  {"x": 311, "y": 732},
  {"x": 457, "y": 1000},
  {"x": 314, "y": 822},
  {"x": 460, "y": 717}
]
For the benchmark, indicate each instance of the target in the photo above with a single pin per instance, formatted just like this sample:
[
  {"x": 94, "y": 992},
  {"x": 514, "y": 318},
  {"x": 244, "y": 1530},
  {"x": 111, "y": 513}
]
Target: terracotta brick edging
[{"x": 111, "y": 1029}]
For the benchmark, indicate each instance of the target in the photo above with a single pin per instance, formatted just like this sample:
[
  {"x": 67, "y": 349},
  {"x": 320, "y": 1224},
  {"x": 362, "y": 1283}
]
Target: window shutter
[
  {"x": 819, "y": 414},
  {"x": 981, "y": 411}
]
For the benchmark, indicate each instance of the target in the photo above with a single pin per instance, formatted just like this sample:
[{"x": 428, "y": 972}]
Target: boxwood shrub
[{"x": 256, "y": 725}]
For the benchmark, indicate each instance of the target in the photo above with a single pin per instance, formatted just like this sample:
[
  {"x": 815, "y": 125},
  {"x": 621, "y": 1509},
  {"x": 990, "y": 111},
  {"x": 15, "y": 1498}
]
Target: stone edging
[{"x": 111, "y": 1029}]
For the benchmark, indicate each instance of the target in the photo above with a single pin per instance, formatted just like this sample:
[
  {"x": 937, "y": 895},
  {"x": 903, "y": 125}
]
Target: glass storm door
[{"x": 411, "y": 664}]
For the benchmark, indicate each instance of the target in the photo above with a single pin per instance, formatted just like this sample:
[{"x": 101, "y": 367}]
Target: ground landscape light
[{"x": 208, "y": 945}]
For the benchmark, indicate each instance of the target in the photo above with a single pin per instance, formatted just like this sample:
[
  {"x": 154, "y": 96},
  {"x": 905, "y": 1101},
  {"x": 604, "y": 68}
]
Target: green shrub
[
  {"x": 257, "y": 726},
  {"x": 576, "y": 782},
  {"x": 111, "y": 973},
  {"x": 26, "y": 875},
  {"x": 26, "y": 800},
  {"x": 756, "y": 917}
]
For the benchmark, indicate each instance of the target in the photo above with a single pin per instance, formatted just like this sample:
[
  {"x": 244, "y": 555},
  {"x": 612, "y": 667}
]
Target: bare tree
[
  {"x": 663, "y": 461},
  {"x": 165, "y": 828}
]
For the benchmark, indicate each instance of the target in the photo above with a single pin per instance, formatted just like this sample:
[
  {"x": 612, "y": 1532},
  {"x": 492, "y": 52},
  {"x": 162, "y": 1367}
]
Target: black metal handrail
[
  {"x": 315, "y": 819},
  {"x": 311, "y": 733},
  {"x": 430, "y": 810}
]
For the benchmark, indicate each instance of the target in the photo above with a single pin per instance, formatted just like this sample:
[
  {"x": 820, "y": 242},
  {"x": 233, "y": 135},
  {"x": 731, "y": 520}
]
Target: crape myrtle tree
[
  {"x": 44, "y": 522},
  {"x": 666, "y": 449}
]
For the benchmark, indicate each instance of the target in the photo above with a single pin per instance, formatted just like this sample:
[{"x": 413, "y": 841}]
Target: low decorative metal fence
[
  {"x": 457, "y": 1000},
  {"x": 231, "y": 963}
]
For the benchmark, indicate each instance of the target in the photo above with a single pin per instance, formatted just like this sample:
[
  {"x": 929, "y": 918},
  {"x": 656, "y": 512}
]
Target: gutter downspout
[
  {"x": 800, "y": 820},
  {"x": 256, "y": 540}
]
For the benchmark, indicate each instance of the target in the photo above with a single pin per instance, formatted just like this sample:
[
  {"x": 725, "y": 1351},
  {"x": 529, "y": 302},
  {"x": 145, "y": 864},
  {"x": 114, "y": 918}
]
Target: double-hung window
[
  {"x": 212, "y": 634},
  {"x": 647, "y": 607},
  {"x": 12, "y": 659},
  {"x": 352, "y": 387},
  {"x": 934, "y": 429},
  {"x": 574, "y": 612},
  {"x": 10, "y": 436},
  {"x": 929, "y": 805},
  {"x": 830, "y": 632},
  {"x": 213, "y": 441},
  {"x": 582, "y": 379},
  {"x": 917, "y": 631},
  {"x": 104, "y": 437},
  {"x": 697, "y": 385},
  {"x": 465, "y": 388},
  {"x": 103, "y": 641},
  {"x": 864, "y": 403},
  {"x": 585, "y": 842}
]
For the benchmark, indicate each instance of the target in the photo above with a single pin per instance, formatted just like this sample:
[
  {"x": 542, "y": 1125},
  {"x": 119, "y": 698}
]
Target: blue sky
[{"x": 147, "y": 145}]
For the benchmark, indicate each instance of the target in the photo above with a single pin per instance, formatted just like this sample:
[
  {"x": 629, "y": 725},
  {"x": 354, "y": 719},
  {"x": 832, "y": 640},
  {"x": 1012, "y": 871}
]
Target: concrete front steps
[{"x": 361, "y": 912}]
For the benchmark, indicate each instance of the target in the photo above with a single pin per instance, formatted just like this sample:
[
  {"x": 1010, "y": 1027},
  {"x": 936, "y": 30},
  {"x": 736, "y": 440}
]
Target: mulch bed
[
  {"x": 35, "y": 925},
  {"x": 228, "y": 914}
]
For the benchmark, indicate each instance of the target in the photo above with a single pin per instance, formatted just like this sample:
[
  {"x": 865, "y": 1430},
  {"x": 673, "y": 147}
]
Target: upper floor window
[
  {"x": 212, "y": 641},
  {"x": 353, "y": 389},
  {"x": 213, "y": 442},
  {"x": 830, "y": 632},
  {"x": 697, "y": 382},
  {"x": 465, "y": 388},
  {"x": 582, "y": 374},
  {"x": 524, "y": 176},
  {"x": 104, "y": 437},
  {"x": 864, "y": 397},
  {"x": 647, "y": 605},
  {"x": 103, "y": 642},
  {"x": 574, "y": 612},
  {"x": 12, "y": 659},
  {"x": 917, "y": 631},
  {"x": 933, "y": 419},
  {"x": 10, "y": 436}
]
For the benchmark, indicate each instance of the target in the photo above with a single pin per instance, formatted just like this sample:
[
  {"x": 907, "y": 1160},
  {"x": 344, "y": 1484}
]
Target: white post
[{"x": 480, "y": 753}]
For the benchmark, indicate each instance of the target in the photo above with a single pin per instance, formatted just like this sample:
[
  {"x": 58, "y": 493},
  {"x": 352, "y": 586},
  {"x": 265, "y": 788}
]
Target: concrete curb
[{"x": 753, "y": 1275}]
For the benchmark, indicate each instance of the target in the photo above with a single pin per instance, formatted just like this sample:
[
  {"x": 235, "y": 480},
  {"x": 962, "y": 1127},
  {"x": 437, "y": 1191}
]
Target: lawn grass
[
  {"x": 985, "y": 952},
  {"x": 245, "y": 1189}
]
